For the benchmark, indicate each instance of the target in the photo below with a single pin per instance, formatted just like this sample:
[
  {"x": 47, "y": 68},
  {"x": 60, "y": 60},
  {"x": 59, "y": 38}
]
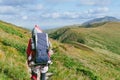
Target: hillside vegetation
[
  {"x": 78, "y": 60},
  {"x": 106, "y": 36},
  {"x": 13, "y": 41},
  {"x": 71, "y": 63},
  {"x": 93, "y": 52}
]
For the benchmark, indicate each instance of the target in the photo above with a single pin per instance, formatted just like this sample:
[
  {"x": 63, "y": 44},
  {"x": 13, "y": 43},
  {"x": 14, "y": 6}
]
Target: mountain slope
[
  {"x": 106, "y": 36},
  {"x": 13, "y": 41},
  {"x": 100, "y": 20},
  {"x": 91, "y": 53},
  {"x": 73, "y": 61}
]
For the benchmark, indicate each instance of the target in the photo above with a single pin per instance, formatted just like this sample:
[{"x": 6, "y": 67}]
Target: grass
[
  {"x": 88, "y": 60},
  {"x": 98, "y": 55},
  {"x": 71, "y": 63},
  {"x": 69, "y": 68},
  {"x": 16, "y": 44},
  {"x": 105, "y": 36},
  {"x": 12, "y": 52},
  {"x": 12, "y": 64}
]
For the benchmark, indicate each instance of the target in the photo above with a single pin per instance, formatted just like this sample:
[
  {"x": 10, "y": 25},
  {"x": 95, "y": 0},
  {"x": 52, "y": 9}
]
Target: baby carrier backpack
[{"x": 40, "y": 45}]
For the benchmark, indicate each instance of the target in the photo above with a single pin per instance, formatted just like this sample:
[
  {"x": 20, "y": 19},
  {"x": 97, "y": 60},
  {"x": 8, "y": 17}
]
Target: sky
[{"x": 55, "y": 13}]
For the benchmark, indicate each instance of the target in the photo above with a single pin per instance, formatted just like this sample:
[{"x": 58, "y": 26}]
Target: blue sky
[{"x": 55, "y": 13}]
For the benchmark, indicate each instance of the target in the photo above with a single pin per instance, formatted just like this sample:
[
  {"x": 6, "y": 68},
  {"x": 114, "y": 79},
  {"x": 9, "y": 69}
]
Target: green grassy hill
[
  {"x": 71, "y": 63},
  {"x": 106, "y": 36},
  {"x": 92, "y": 53},
  {"x": 13, "y": 41},
  {"x": 74, "y": 61}
]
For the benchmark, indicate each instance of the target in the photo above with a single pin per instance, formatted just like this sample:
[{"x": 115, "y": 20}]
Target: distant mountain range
[
  {"x": 96, "y": 22},
  {"x": 100, "y": 20}
]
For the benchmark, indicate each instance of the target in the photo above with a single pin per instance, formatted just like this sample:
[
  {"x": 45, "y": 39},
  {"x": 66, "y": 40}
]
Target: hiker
[{"x": 38, "y": 53}]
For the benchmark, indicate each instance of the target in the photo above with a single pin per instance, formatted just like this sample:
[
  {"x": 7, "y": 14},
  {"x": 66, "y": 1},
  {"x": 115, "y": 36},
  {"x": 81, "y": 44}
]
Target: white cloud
[
  {"x": 19, "y": 6},
  {"x": 59, "y": 15},
  {"x": 24, "y": 17},
  {"x": 94, "y": 13},
  {"x": 76, "y": 15},
  {"x": 71, "y": 15},
  {"x": 98, "y": 10},
  {"x": 45, "y": 15},
  {"x": 83, "y": 2},
  {"x": 55, "y": 15},
  {"x": 87, "y": 2},
  {"x": 59, "y": 1},
  {"x": 8, "y": 9},
  {"x": 95, "y": 2},
  {"x": 36, "y": 7},
  {"x": 103, "y": 9},
  {"x": 29, "y": 12},
  {"x": 39, "y": 6},
  {"x": 16, "y": 2}
]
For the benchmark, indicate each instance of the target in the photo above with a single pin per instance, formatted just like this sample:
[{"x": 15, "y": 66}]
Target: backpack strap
[{"x": 47, "y": 39}]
